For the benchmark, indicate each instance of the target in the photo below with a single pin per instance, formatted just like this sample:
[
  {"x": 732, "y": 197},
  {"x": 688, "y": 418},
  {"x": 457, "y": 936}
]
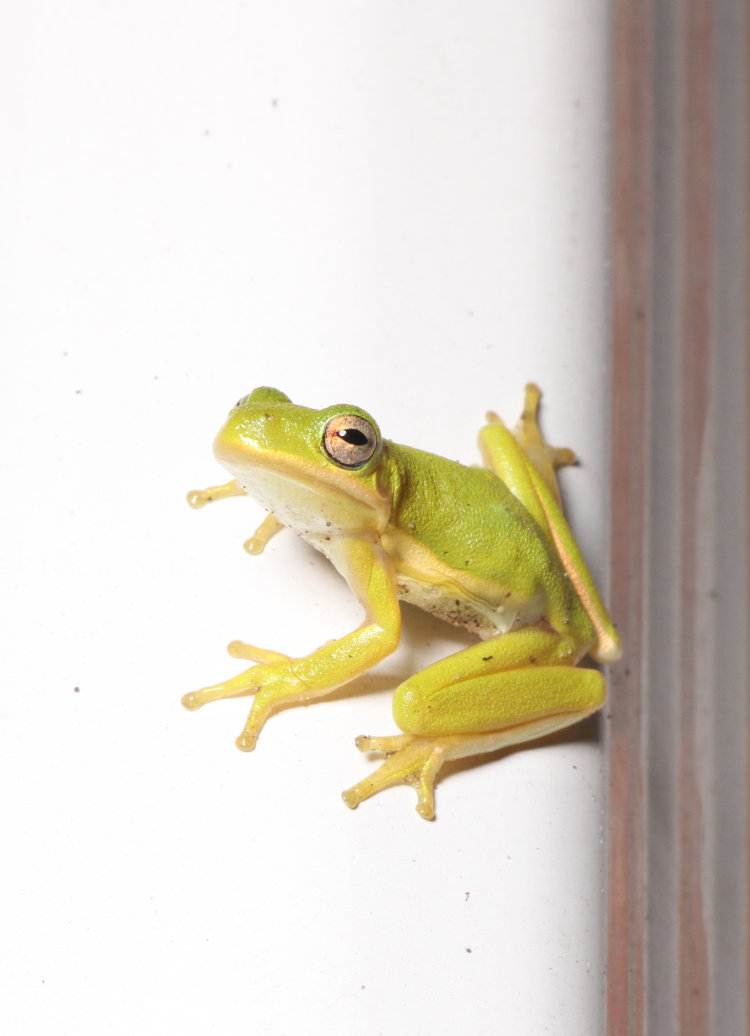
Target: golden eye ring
[{"x": 350, "y": 440}]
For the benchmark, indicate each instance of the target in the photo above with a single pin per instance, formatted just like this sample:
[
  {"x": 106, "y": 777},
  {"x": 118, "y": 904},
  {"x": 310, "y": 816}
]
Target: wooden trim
[
  {"x": 679, "y": 845},
  {"x": 696, "y": 331},
  {"x": 631, "y": 277}
]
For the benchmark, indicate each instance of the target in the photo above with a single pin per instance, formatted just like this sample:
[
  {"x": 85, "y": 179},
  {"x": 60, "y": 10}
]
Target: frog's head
[{"x": 316, "y": 470}]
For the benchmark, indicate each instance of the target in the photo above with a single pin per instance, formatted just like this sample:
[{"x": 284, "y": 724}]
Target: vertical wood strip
[
  {"x": 696, "y": 248},
  {"x": 746, "y": 179},
  {"x": 631, "y": 277},
  {"x": 679, "y": 731}
]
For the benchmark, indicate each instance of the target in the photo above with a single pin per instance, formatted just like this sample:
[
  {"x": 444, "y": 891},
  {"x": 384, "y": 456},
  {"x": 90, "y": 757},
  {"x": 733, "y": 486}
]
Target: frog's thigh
[{"x": 537, "y": 693}]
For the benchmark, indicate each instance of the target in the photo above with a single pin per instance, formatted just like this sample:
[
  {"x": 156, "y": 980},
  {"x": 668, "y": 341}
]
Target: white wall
[{"x": 397, "y": 205}]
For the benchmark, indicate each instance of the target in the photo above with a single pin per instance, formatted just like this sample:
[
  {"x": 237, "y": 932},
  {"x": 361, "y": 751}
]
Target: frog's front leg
[
  {"x": 502, "y": 692},
  {"x": 198, "y": 498},
  {"x": 279, "y": 680},
  {"x": 268, "y": 528}
]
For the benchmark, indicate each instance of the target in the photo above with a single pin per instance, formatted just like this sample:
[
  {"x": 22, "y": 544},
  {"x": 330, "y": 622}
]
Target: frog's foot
[
  {"x": 198, "y": 498},
  {"x": 268, "y": 697},
  {"x": 258, "y": 681},
  {"x": 530, "y": 435},
  {"x": 383, "y": 745},
  {"x": 411, "y": 760},
  {"x": 237, "y": 687},
  {"x": 561, "y": 457},
  {"x": 239, "y": 649},
  {"x": 247, "y": 740},
  {"x": 545, "y": 458},
  {"x": 265, "y": 531},
  {"x": 197, "y": 699}
]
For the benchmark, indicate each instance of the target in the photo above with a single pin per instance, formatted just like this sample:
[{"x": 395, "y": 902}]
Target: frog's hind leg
[
  {"x": 501, "y": 453},
  {"x": 416, "y": 761},
  {"x": 545, "y": 458},
  {"x": 410, "y": 760},
  {"x": 502, "y": 692}
]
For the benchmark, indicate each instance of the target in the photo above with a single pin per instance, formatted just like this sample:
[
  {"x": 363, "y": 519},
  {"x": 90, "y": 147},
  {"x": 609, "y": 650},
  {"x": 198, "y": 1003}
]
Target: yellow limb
[
  {"x": 526, "y": 464},
  {"x": 280, "y": 680},
  {"x": 545, "y": 458},
  {"x": 502, "y": 450},
  {"x": 267, "y": 529},
  {"x": 505, "y": 691},
  {"x": 239, "y": 649},
  {"x": 607, "y": 647},
  {"x": 200, "y": 497},
  {"x": 270, "y": 525}
]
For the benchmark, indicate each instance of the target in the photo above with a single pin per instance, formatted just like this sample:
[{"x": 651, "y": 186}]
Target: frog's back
[{"x": 464, "y": 547}]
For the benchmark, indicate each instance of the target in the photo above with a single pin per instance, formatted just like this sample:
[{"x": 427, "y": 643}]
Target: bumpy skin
[{"x": 484, "y": 548}]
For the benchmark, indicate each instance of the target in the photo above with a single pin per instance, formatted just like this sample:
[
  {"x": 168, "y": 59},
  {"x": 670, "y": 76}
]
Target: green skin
[{"x": 483, "y": 548}]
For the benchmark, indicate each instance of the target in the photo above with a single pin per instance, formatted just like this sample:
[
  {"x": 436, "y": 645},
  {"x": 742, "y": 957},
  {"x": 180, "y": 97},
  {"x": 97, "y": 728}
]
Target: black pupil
[{"x": 353, "y": 436}]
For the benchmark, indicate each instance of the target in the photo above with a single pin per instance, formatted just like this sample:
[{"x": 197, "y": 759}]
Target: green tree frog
[{"x": 484, "y": 548}]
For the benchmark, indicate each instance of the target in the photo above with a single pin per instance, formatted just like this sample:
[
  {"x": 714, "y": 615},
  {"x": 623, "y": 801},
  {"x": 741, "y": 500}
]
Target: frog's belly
[{"x": 451, "y": 604}]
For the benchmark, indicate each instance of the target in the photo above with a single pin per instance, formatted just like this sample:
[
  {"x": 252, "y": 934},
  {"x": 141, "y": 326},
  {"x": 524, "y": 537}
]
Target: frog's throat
[{"x": 286, "y": 484}]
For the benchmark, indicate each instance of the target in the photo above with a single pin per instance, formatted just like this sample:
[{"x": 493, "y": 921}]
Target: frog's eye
[{"x": 350, "y": 440}]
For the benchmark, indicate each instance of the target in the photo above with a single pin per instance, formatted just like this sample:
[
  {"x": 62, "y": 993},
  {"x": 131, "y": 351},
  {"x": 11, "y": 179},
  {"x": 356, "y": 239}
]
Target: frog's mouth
[{"x": 307, "y": 497}]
